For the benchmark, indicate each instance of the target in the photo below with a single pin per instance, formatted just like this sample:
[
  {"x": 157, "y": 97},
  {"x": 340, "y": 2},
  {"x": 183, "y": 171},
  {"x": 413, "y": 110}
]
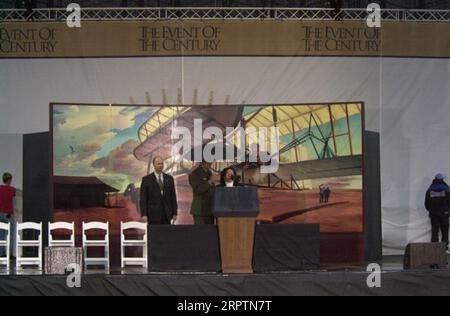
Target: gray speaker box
[{"x": 425, "y": 256}]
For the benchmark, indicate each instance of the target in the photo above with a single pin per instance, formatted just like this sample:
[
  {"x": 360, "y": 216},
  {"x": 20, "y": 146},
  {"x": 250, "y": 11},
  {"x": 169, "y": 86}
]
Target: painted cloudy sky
[{"x": 98, "y": 141}]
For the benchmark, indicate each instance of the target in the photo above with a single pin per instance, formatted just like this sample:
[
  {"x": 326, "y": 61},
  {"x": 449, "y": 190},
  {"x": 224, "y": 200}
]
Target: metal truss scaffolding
[{"x": 151, "y": 13}]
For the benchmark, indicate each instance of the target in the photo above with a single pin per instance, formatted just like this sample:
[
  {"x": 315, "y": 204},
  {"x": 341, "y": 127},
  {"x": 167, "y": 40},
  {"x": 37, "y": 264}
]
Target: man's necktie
[{"x": 161, "y": 183}]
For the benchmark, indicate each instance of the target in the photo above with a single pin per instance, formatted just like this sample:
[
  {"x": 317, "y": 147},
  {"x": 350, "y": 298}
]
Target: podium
[{"x": 236, "y": 210}]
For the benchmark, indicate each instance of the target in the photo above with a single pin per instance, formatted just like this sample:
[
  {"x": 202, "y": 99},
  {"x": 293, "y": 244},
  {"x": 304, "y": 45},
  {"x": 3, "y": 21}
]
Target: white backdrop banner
[{"x": 406, "y": 99}]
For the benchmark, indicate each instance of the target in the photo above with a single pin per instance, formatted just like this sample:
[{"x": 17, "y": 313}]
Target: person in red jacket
[{"x": 7, "y": 194}]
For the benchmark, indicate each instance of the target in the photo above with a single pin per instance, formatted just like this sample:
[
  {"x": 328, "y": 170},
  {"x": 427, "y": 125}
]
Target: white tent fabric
[{"x": 407, "y": 101}]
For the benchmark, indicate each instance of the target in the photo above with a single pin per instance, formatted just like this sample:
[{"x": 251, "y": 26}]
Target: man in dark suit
[{"x": 158, "y": 196}]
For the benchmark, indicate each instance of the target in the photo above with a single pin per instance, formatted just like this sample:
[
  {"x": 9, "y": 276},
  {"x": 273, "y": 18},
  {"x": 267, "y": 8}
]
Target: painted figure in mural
[
  {"x": 327, "y": 194},
  {"x": 322, "y": 193}
]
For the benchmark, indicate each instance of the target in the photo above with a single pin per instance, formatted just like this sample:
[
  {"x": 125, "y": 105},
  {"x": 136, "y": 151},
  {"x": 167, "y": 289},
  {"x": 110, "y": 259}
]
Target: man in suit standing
[
  {"x": 203, "y": 189},
  {"x": 158, "y": 196}
]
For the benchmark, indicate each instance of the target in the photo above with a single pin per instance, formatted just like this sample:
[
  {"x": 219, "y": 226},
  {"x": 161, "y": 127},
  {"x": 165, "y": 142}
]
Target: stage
[
  {"x": 311, "y": 110},
  {"x": 340, "y": 280}
]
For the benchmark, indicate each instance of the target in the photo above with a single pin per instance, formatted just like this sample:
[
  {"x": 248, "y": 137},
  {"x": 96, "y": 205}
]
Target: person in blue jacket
[{"x": 437, "y": 203}]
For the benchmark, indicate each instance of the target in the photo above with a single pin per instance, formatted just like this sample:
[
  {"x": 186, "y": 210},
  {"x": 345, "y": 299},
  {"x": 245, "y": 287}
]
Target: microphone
[{"x": 237, "y": 178}]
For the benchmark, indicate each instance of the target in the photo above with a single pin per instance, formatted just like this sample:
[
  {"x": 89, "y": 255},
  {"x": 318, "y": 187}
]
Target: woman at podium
[{"x": 229, "y": 178}]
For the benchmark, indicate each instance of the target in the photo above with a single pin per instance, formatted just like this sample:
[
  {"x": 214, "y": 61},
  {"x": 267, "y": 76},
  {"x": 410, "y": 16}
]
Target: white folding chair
[
  {"x": 104, "y": 243},
  {"x": 21, "y": 242},
  {"x": 61, "y": 226},
  {"x": 125, "y": 242},
  {"x": 4, "y": 261}
]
